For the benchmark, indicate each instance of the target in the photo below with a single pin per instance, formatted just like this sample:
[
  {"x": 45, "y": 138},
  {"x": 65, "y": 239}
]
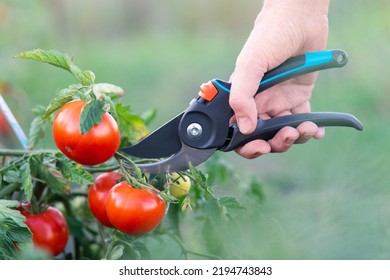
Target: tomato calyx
[{"x": 33, "y": 207}]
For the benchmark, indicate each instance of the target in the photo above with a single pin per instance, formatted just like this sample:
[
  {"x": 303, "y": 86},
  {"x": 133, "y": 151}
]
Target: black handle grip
[{"x": 266, "y": 129}]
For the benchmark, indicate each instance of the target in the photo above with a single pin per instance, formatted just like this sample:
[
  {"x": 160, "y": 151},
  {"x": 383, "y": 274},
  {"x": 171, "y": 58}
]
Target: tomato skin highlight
[
  {"x": 94, "y": 147},
  {"x": 97, "y": 195},
  {"x": 134, "y": 211},
  {"x": 49, "y": 229}
]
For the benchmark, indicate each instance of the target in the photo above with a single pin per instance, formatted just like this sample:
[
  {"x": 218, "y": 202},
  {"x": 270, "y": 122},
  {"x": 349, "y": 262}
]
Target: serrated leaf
[
  {"x": 199, "y": 178},
  {"x": 72, "y": 171},
  {"x": 27, "y": 186},
  {"x": 52, "y": 57},
  {"x": 7, "y": 211},
  {"x": 91, "y": 114},
  {"x": 37, "y": 132},
  {"x": 104, "y": 88},
  {"x": 61, "y": 60},
  {"x": 131, "y": 126},
  {"x": 63, "y": 97},
  {"x": 12, "y": 176},
  {"x": 12, "y": 229}
]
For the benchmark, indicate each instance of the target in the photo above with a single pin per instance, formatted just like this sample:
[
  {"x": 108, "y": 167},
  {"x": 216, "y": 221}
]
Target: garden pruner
[{"x": 203, "y": 128}]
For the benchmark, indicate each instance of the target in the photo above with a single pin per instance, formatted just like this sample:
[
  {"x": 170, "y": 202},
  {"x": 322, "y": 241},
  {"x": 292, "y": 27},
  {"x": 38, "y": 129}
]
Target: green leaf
[
  {"x": 200, "y": 180},
  {"x": 12, "y": 229},
  {"x": 37, "y": 132},
  {"x": 63, "y": 97},
  {"x": 61, "y": 60},
  {"x": 43, "y": 169},
  {"x": 149, "y": 115},
  {"x": 86, "y": 78},
  {"x": 104, "y": 88},
  {"x": 116, "y": 252},
  {"x": 55, "y": 183},
  {"x": 26, "y": 180},
  {"x": 72, "y": 171},
  {"x": 12, "y": 176},
  {"x": 52, "y": 57},
  {"x": 91, "y": 114},
  {"x": 131, "y": 126}
]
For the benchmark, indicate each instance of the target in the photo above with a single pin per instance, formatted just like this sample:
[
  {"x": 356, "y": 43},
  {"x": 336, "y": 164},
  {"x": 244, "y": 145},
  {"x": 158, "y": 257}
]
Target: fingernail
[{"x": 244, "y": 124}]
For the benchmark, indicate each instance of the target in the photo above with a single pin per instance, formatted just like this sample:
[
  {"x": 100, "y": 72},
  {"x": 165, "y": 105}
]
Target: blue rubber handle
[
  {"x": 303, "y": 64},
  {"x": 297, "y": 66}
]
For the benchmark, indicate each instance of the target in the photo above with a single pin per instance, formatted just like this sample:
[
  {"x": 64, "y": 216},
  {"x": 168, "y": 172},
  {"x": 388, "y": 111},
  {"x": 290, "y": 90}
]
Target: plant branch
[
  {"x": 9, "y": 189},
  {"x": 20, "y": 152}
]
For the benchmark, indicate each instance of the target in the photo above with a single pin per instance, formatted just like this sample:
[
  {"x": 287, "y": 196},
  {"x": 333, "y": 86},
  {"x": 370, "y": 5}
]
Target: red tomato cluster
[
  {"x": 119, "y": 205},
  {"x": 49, "y": 229},
  {"x": 94, "y": 147}
]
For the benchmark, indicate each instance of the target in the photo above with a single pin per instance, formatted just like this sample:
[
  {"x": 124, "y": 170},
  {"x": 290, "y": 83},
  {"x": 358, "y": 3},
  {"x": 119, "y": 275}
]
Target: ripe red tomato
[
  {"x": 96, "y": 146},
  {"x": 49, "y": 229},
  {"x": 134, "y": 211},
  {"x": 97, "y": 194}
]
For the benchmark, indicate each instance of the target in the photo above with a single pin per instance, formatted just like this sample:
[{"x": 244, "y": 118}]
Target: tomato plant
[
  {"x": 94, "y": 147},
  {"x": 88, "y": 181},
  {"x": 97, "y": 195},
  {"x": 134, "y": 211},
  {"x": 49, "y": 228}
]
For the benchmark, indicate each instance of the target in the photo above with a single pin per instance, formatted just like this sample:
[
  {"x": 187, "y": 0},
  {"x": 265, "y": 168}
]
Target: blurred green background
[{"x": 327, "y": 199}]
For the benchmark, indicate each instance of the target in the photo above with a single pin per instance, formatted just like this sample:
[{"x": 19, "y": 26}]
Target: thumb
[{"x": 242, "y": 102}]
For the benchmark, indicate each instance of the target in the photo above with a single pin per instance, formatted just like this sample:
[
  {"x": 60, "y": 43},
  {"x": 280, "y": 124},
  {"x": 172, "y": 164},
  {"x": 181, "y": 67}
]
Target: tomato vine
[{"x": 47, "y": 178}]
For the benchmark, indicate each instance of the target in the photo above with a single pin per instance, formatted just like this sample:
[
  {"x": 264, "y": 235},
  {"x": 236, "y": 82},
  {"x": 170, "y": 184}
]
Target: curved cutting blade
[
  {"x": 163, "y": 142},
  {"x": 178, "y": 162}
]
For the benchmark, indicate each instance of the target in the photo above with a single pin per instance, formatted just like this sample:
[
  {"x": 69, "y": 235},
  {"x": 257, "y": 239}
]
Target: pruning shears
[{"x": 203, "y": 128}]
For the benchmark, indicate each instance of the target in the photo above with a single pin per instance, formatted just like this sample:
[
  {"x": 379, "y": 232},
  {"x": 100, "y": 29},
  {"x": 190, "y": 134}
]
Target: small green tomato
[{"x": 180, "y": 186}]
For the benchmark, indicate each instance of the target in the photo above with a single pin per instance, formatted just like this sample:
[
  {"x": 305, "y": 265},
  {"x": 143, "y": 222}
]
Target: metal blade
[
  {"x": 163, "y": 142},
  {"x": 177, "y": 162}
]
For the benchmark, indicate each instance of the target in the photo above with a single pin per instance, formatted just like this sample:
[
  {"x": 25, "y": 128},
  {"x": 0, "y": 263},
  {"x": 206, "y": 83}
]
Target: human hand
[{"x": 284, "y": 28}]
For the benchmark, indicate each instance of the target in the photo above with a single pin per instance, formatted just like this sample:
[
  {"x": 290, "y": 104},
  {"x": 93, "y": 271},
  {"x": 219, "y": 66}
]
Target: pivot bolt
[{"x": 194, "y": 130}]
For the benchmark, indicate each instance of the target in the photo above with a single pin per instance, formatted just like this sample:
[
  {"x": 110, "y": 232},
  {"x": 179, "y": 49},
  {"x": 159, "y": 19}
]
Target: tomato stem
[
  {"x": 92, "y": 169},
  {"x": 20, "y": 152},
  {"x": 9, "y": 189}
]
